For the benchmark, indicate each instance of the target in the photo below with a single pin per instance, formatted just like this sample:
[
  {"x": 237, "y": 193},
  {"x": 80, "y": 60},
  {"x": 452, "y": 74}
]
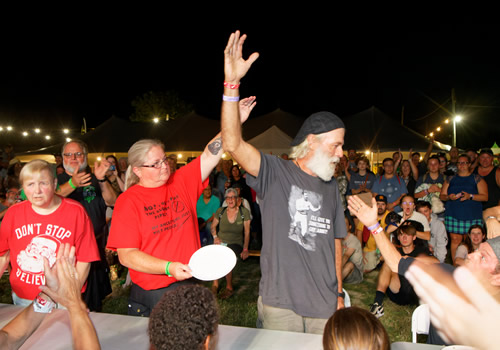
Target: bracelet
[
  {"x": 230, "y": 98},
  {"x": 102, "y": 180},
  {"x": 231, "y": 86},
  {"x": 166, "y": 269},
  {"x": 373, "y": 227},
  {"x": 491, "y": 217},
  {"x": 71, "y": 183},
  {"x": 377, "y": 231}
]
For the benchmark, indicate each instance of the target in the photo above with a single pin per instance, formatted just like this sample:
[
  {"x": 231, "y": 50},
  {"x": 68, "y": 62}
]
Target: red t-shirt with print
[
  {"x": 30, "y": 236},
  {"x": 160, "y": 221}
]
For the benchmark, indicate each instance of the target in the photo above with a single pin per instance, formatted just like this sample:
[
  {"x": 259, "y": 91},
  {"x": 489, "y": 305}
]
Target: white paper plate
[{"x": 212, "y": 262}]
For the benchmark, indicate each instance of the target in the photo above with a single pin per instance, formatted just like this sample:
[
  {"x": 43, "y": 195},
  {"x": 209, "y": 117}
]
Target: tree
[{"x": 159, "y": 105}]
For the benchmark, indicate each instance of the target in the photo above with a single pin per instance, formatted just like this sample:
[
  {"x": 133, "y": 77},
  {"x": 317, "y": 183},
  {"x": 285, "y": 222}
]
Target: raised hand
[
  {"x": 365, "y": 214},
  {"x": 100, "y": 168},
  {"x": 80, "y": 179},
  {"x": 246, "y": 105},
  {"x": 62, "y": 283},
  {"x": 235, "y": 67}
]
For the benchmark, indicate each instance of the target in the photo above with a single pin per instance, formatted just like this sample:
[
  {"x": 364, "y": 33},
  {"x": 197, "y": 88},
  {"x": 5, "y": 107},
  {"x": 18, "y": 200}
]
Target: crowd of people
[{"x": 321, "y": 218}]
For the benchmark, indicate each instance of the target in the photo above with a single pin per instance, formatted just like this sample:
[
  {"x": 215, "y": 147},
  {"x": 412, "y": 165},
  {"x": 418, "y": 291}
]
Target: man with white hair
[{"x": 301, "y": 285}]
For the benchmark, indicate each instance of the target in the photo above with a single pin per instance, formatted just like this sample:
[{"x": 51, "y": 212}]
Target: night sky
[{"x": 57, "y": 74}]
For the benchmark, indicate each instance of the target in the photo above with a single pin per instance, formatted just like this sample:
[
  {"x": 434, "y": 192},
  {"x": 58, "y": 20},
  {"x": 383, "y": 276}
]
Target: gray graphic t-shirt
[{"x": 301, "y": 217}]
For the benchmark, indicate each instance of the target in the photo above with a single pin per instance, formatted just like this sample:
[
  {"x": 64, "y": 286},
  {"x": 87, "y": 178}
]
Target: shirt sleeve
[{"x": 263, "y": 179}]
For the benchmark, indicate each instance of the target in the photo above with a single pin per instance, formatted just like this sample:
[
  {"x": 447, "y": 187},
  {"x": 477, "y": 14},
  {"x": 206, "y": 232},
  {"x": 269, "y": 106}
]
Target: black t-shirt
[
  {"x": 403, "y": 266},
  {"x": 91, "y": 198}
]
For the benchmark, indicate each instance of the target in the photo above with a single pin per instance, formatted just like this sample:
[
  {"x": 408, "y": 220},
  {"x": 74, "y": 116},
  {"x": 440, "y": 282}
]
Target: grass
[{"x": 241, "y": 308}]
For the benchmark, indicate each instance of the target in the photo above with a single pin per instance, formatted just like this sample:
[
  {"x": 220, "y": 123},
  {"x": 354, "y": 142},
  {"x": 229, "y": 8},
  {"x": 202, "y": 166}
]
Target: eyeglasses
[
  {"x": 156, "y": 165},
  {"x": 463, "y": 163},
  {"x": 76, "y": 154},
  {"x": 231, "y": 197},
  {"x": 408, "y": 203}
]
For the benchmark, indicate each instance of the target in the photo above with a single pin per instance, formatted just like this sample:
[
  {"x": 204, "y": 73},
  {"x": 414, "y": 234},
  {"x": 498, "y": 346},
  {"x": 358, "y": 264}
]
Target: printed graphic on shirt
[
  {"x": 30, "y": 260},
  {"x": 306, "y": 223},
  {"x": 174, "y": 210},
  {"x": 89, "y": 193}
]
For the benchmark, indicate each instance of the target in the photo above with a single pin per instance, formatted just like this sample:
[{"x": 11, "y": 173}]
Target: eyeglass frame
[
  {"x": 156, "y": 165},
  {"x": 76, "y": 154}
]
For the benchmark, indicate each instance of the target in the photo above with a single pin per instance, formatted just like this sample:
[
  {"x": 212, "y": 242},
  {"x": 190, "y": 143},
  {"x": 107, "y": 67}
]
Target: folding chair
[{"x": 420, "y": 321}]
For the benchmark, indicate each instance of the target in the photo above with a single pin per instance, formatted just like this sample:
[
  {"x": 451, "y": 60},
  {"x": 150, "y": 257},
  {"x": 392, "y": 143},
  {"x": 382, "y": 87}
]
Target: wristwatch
[{"x": 342, "y": 295}]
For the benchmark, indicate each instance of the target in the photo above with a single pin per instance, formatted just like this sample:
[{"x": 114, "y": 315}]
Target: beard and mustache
[
  {"x": 322, "y": 164},
  {"x": 71, "y": 169}
]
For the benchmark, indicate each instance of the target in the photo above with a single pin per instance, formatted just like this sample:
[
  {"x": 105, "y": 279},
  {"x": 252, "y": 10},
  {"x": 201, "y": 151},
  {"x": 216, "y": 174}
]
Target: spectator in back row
[
  {"x": 428, "y": 187},
  {"x": 390, "y": 185},
  {"x": 491, "y": 175},
  {"x": 408, "y": 174},
  {"x": 439, "y": 238},
  {"x": 363, "y": 180},
  {"x": 463, "y": 194},
  {"x": 206, "y": 207}
]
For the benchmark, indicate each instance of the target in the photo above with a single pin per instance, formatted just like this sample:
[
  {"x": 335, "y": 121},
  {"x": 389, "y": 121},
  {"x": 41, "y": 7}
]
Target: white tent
[{"x": 272, "y": 141}]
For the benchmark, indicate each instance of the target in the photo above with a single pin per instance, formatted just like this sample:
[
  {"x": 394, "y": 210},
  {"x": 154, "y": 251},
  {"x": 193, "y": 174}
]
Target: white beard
[
  {"x": 71, "y": 170},
  {"x": 323, "y": 165}
]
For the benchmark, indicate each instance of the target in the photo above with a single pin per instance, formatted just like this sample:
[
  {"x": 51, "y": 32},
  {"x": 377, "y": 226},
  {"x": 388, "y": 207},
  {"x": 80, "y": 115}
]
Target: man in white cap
[{"x": 301, "y": 285}]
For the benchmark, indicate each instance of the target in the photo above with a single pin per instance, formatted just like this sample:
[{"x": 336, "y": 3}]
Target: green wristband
[
  {"x": 166, "y": 269},
  {"x": 71, "y": 183}
]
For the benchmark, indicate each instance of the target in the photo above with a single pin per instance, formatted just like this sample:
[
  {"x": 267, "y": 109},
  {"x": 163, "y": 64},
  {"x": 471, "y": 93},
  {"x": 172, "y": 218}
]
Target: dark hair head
[
  {"x": 408, "y": 229},
  {"x": 421, "y": 204},
  {"x": 387, "y": 159},
  {"x": 464, "y": 155},
  {"x": 354, "y": 328},
  {"x": 363, "y": 159},
  {"x": 433, "y": 157},
  {"x": 183, "y": 319}
]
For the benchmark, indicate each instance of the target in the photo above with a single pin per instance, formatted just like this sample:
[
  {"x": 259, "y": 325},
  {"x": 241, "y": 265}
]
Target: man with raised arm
[{"x": 299, "y": 289}]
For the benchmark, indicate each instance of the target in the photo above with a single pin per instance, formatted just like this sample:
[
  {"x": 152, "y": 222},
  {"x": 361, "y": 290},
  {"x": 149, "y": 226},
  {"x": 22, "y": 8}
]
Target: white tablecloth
[{"x": 129, "y": 332}]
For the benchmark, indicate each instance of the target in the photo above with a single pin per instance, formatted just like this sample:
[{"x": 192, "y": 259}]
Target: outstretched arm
[
  {"x": 63, "y": 286},
  {"x": 213, "y": 151},
  {"x": 368, "y": 216},
  {"x": 235, "y": 68}
]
